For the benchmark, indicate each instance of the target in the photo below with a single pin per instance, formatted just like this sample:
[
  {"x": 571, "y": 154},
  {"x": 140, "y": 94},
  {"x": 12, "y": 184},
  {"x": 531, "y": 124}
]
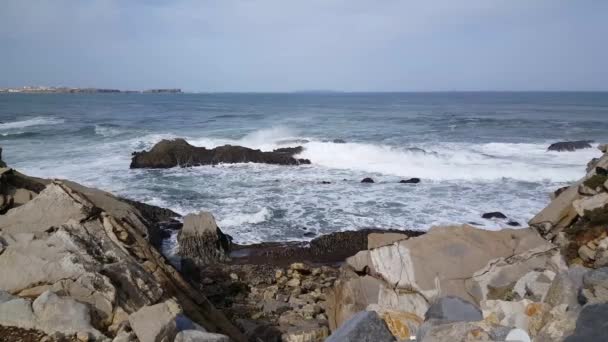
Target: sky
[{"x": 285, "y": 45}]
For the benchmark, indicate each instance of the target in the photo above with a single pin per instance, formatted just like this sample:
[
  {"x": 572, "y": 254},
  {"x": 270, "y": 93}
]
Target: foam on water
[{"x": 36, "y": 121}]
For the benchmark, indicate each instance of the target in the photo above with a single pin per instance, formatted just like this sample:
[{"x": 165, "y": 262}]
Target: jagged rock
[
  {"x": 463, "y": 332},
  {"x": 559, "y": 214},
  {"x": 494, "y": 214},
  {"x": 565, "y": 287},
  {"x": 595, "y": 286},
  {"x": 367, "y": 180},
  {"x": 591, "y": 324},
  {"x": 402, "y": 325},
  {"x": 534, "y": 285},
  {"x": 201, "y": 242},
  {"x": 360, "y": 262},
  {"x": 452, "y": 308},
  {"x": 89, "y": 246},
  {"x": 172, "y": 153},
  {"x": 524, "y": 314},
  {"x": 199, "y": 336},
  {"x": 560, "y": 322},
  {"x": 410, "y": 181},
  {"x": 156, "y": 322},
  {"x": 49, "y": 313},
  {"x": 570, "y": 145},
  {"x": 410, "y": 274},
  {"x": 590, "y": 203},
  {"x": 365, "y": 326}
]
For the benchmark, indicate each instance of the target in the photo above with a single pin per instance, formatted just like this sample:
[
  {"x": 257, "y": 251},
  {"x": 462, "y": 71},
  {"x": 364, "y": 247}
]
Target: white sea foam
[
  {"x": 37, "y": 121},
  {"x": 107, "y": 131},
  {"x": 238, "y": 219}
]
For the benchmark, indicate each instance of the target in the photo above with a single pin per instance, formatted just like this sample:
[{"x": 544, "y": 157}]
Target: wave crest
[{"x": 37, "y": 121}]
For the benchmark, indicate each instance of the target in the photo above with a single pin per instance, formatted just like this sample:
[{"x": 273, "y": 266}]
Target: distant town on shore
[{"x": 70, "y": 90}]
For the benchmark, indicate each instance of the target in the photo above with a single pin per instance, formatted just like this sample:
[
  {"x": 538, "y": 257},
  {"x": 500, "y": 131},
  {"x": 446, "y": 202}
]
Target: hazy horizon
[{"x": 276, "y": 46}]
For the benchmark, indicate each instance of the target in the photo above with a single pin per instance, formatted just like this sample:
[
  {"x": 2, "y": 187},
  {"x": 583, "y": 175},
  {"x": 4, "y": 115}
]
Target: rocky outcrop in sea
[
  {"x": 80, "y": 264},
  {"x": 178, "y": 152}
]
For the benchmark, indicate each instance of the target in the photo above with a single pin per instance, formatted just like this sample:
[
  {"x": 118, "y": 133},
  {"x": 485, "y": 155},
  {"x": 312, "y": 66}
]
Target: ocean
[{"x": 474, "y": 153}]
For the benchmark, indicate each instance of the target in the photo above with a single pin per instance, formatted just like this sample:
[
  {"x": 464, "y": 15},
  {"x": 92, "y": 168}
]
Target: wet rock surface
[
  {"x": 570, "y": 145},
  {"x": 178, "y": 152}
]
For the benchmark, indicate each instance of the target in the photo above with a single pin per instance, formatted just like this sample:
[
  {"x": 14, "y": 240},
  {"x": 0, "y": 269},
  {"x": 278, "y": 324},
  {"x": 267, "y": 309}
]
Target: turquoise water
[{"x": 475, "y": 152}]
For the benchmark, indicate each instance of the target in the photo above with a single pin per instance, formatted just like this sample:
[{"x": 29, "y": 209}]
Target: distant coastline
[{"x": 69, "y": 90}]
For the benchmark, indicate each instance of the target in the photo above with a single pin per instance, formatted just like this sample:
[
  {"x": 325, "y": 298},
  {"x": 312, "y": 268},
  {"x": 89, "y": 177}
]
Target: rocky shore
[{"x": 80, "y": 264}]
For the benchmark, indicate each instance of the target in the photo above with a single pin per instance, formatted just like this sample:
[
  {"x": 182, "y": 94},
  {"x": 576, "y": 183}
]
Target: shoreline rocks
[{"x": 178, "y": 152}]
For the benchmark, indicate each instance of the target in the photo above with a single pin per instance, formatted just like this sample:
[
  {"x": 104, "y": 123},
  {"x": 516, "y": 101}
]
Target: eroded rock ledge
[
  {"x": 76, "y": 262},
  {"x": 178, "y": 152}
]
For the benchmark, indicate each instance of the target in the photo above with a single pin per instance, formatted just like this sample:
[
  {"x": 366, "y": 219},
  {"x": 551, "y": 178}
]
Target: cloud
[{"x": 280, "y": 45}]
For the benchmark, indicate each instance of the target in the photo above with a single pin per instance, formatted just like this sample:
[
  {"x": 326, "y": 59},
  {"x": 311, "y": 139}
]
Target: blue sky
[{"x": 283, "y": 45}]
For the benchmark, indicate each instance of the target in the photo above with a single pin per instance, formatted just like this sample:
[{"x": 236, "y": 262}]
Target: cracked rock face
[
  {"x": 82, "y": 251},
  {"x": 410, "y": 274}
]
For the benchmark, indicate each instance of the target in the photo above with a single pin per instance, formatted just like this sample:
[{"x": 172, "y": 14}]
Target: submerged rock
[
  {"x": 570, "y": 145},
  {"x": 410, "y": 181},
  {"x": 178, "y": 152},
  {"x": 494, "y": 214},
  {"x": 367, "y": 180}
]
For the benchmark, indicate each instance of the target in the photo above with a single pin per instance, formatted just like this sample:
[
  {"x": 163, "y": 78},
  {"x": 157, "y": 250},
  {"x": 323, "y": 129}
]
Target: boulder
[
  {"x": 365, "y": 326},
  {"x": 570, "y": 145},
  {"x": 603, "y": 148},
  {"x": 402, "y": 325},
  {"x": 452, "y": 308},
  {"x": 367, "y": 180},
  {"x": 525, "y": 314},
  {"x": 533, "y": 285},
  {"x": 410, "y": 181},
  {"x": 564, "y": 289},
  {"x": 199, "y": 336},
  {"x": 178, "y": 152},
  {"x": 462, "y": 332},
  {"x": 201, "y": 242},
  {"x": 559, "y": 323},
  {"x": 156, "y": 322},
  {"x": 591, "y": 324},
  {"x": 590, "y": 203},
  {"x": 559, "y": 214},
  {"x": 595, "y": 286},
  {"x": 409, "y": 275}
]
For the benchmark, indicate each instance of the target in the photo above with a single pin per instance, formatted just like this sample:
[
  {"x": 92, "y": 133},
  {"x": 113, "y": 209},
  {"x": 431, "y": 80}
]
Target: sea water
[{"x": 474, "y": 153}]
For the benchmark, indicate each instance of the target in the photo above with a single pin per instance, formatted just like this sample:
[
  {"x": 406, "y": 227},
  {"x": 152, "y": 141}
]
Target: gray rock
[
  {"x": 157, "y": 322},
  {"x": 453, "y": 309},
  {"x": 595, "y": 286},
  {"x": 565, "y": 287},
  {"x": 591, "y": 325},
  {"x": 365, "y": 326},
  {"x": 62, "y": 314},
  {"x": 200, "y": 336},
  {"x": 463, "y": 332}
]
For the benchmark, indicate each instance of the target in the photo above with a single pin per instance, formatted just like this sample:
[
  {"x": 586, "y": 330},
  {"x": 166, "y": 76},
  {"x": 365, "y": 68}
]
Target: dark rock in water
[
  {"x": 309, "y": 234},
  {"x": 601, "y": 171},
  {"x": 494, "y": 214},
  {"x": 453, "y": 309},
  {"x": 339, "y": 141},
  {"x": 290, "y": 151},
  {"x": 513, "y": 223},
  {"x": 201, "y": 242},
  {"x": 367, "y": 180},
  {"x": 570, "y": 145},
  {"x": 365, "y": 326},
  {"x": 325, "y": 182},
  {"x": 410, "y": 181},
  {"x": 591, "y": 324},
  {"x": 171, "y": 153}
]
